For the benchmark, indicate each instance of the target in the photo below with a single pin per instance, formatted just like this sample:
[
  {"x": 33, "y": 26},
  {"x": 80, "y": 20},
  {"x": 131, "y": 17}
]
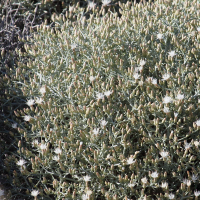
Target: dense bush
[
  {"x": 112, "y": 105},
  {"x": 17, "y": 17}
]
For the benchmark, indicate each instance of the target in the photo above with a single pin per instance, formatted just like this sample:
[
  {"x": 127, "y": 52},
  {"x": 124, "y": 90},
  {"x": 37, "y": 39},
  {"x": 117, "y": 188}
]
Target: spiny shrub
[{"x": 112, "y": 105}]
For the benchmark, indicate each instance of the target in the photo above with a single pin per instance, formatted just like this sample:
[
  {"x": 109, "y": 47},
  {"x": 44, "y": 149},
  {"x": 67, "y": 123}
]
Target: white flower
[
  {"x": 91, "y": 4},
  {"x": 142, "y": 62},
  {"x": 108, "y": 93},
  {"x": 21, "y": 162},
  {"x": 136, "y": 76},
  {"x": 43, "y": 90},
  {"x": 137, "y": 69},
  {"x": 188, "y": 183},
  {"x": 167, "y": 99},
  {"x": 95, "y": 131},
  {"x": 166, "y": 109},
  {"x": 165, "y": 77},
  {"x": 92, "y": 78},
  {"x": 131, "y": 184},
  {"x": 196, "y": 143},
  {"x": 130, "y": 161},
  {"x": 1, "y": 192},
  {"x": 30, "y": 102},
  {"x": 171, "y": 196},
  {"x": 73, "y": 46},
  {"x": 86, "y": 178},
  {"x": 14, "y": 125},
  {"x": 85, "y": 197},
  {"x": 27, "y": 118},
  {"x": 172, "y": 53},
  {"x": 175, "y": 114},
  {"x": 185, "y": 181},
  {"x": 43, "y": 146},
  {"x": 105, "y": 2},
  {"x": 58, "y": 151},
  {"x": 180, "y": 96},
  {"x": 197, "y": 193},
  {"x": 194, "y": 178},
  {"x": 164, "y": 185},
  {"x": 198, "y": 122},
  {"x": 164, "y": 154},
  {"x": 144, "y": 180},
  {"x": 154, "y": 81},
  {"x": 187, "y": 145},
  {"x": 56, "y": 158},
  {"x": 39, "y": 100},
  {"x": 100, "y": 95},
  {"x": 88, "y": 192},
  {"x": 103, "y": 123},
  {"x": 35, "y": 142},
  {"x": 159, "y": 36},
  {"x": 154, "y": 174},
  {"x": 198, "y": 29},
  {"x": 34, "y": 193}
]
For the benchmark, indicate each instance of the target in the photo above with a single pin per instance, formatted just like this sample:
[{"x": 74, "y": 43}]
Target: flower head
[
  {"x": 86, "y": 178},
  {"x": 130, "y": 161},
  {"x": 142, "y": 62},
  {"x": 43, "y": 146},
  {"x": 73, "y": 46},
  {"x": 165, "y": 77},
  {"x": 108, "y": 93},
  {"x": 198, "y": 29},
  {"x": 188, "y": 183},
  {"x": 194, "y": 178},
  {"x": 14, "y": 125},
  {"x": 187, "y": 145},
  {"x": 144, "y": 180},
  {"x": 154, "y": 81},
  {"x": 56, "y": 158},
  {"x": 21, "y": 162},
  {"x": 58, "y": 151},
  {"x": 196, "y": 143},
  {"x": 196, "y": 193},
  {"x": 105, "y": 2},
  {"x": 91, "y": 4},
  {"x": 43, "y": 90},
  {"x": 154, "y": 174},
  {"x": 164, "y": 154},
  {"x": 103, "y": 123},
  {"x": 171, "y": 196},
  {"x": 136, "y": 76},
  {"x": 180, "y": 96},
  {"x": 39, "y": 100},
  {"x": 198, "y": 122},
  {"x": 99, "y": 96},
  {"x": 167, "y": 99},
  {"x": 27, "y": 118},
  {"x": 92, "y": 78},
  {"x": 131, "y": 184},
  {"x": 95, "y": 131},
  {"x": 35, "y": 193},
  {"x": 164, "y": 185},
  {"x": 172, "y": 53},
  {"x": 166, "y": 109},
  {"x": 175, "y": 114},
  {"x": 30, "y": 102},
  {"x": 159, "y": 36},
  {"x": 85, "y": 197}
]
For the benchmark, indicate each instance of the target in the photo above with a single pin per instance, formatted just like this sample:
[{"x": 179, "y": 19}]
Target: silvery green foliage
[{"x": 113, "y": 104}]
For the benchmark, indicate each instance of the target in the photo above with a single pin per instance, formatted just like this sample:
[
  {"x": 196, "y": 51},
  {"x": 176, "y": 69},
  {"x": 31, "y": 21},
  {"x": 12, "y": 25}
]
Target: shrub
[{"x": 112, "y": 105}]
